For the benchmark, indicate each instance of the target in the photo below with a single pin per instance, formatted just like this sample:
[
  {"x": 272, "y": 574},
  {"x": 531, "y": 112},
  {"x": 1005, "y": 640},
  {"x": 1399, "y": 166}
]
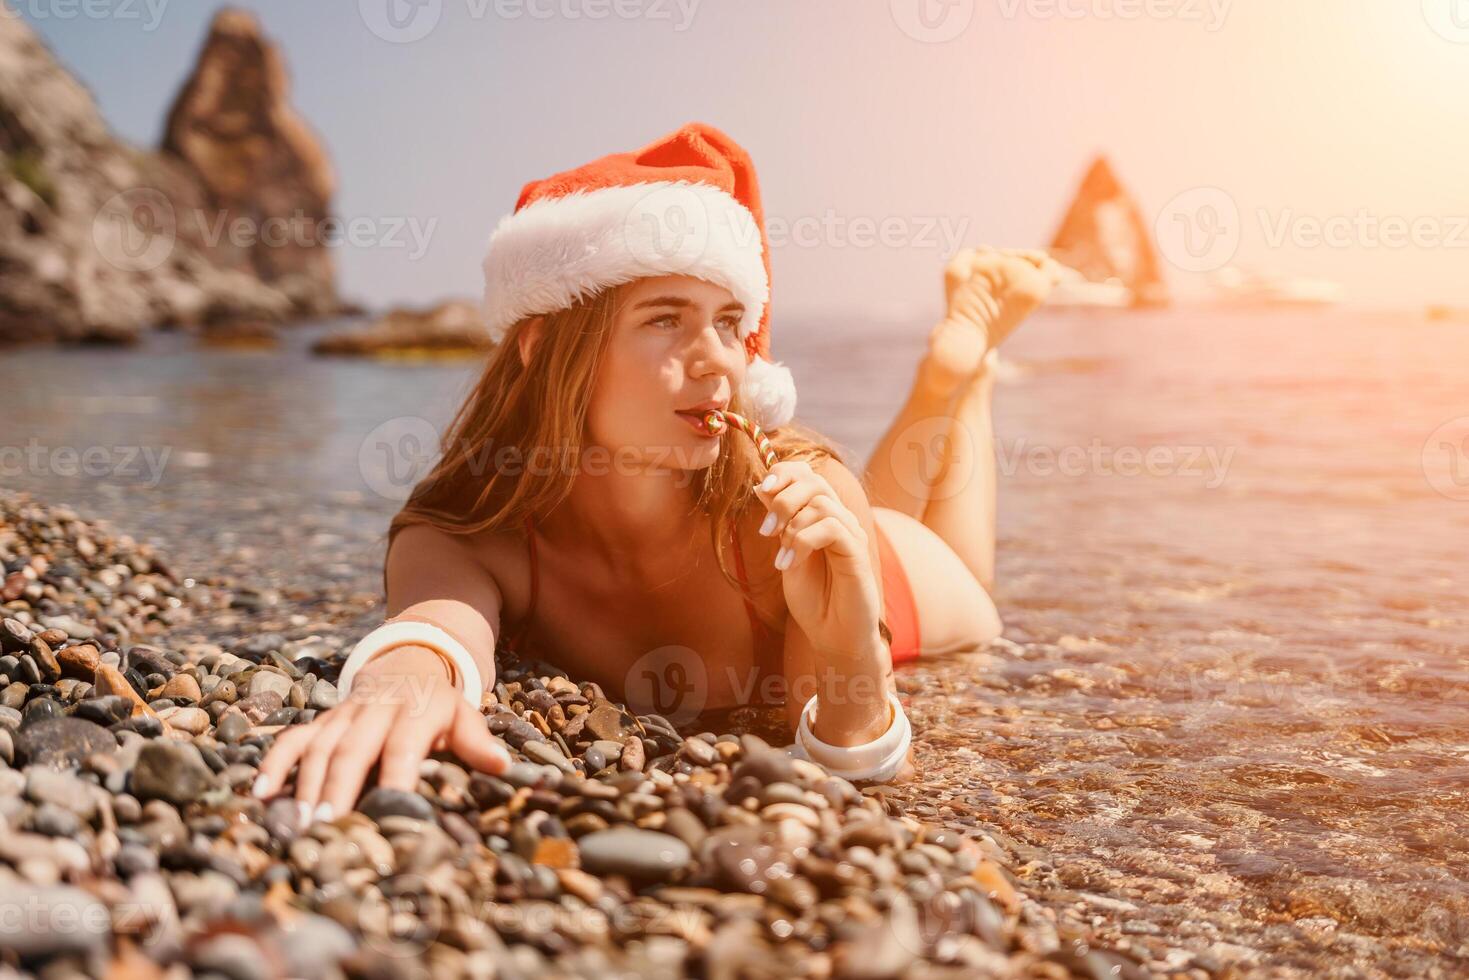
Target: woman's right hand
[{"x": 402, "y": 706}]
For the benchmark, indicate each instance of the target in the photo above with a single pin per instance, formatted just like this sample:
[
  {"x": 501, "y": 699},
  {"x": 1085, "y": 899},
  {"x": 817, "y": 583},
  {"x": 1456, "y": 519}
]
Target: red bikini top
[{"x": 762, "y": 632}]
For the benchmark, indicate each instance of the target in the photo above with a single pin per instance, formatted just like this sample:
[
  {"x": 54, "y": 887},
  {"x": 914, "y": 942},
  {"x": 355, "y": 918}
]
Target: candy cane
[{"x": 716, "y": 422}]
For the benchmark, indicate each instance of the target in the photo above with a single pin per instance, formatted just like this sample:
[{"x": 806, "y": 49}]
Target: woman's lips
[{"x": 696, "y": 419}]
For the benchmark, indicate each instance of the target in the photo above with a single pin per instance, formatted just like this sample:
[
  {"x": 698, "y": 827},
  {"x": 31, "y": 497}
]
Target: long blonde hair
[{"x": 523, "y": 410}]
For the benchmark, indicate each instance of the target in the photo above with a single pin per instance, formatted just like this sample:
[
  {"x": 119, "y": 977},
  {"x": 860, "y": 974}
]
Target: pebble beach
[
  {"x": 132, "y": 723},
  {"x": 1188, "y": 755}
]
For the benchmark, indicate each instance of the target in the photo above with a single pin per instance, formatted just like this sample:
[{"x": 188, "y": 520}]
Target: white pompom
[{"x": 769, "y": 393}]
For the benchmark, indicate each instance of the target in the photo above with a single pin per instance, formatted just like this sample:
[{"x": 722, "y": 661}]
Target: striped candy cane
[{"x": 716, "y": 422}]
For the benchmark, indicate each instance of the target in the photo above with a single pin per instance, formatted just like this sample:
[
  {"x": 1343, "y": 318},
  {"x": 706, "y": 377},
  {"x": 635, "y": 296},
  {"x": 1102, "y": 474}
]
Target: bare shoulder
[{"x": 425, "y": 559}]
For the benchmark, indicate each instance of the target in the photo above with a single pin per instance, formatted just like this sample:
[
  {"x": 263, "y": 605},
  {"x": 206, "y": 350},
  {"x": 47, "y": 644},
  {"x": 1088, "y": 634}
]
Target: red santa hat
[{"x": 685, "y": 204}]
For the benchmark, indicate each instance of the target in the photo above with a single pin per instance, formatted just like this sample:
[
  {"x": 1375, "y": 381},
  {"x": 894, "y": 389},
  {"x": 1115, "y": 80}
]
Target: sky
[{"x": 1313, "y": 138}]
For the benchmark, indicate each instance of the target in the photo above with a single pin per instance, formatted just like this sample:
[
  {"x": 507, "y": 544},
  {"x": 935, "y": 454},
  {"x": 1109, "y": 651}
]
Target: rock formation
[
  {"x": 98, "y": 239},
  {"x": 256, "y": 160},
  {"x": 451, "y": 328},
  {"x": 1105, "y": 237}
]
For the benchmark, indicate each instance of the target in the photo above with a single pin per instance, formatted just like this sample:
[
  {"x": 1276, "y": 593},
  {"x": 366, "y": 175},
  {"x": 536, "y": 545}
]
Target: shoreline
[{"x": 709, "y": 851}]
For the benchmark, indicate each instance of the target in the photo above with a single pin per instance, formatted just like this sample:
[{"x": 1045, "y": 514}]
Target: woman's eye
[
  {"x": 730, "y": 322},
  {"x": 671, "y": 320}
]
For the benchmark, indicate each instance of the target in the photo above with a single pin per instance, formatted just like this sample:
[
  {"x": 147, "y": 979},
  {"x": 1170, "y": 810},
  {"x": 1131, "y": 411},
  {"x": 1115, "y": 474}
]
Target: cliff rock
[
  {"x": 1104, "y": 236},
  {"x": 98, "y": 238}
]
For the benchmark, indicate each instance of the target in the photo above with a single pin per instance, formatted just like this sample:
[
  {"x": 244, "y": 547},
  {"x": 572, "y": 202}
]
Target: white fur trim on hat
[
  {"x": 557, "y": 250},
  {"x": 769, "y": 393}
]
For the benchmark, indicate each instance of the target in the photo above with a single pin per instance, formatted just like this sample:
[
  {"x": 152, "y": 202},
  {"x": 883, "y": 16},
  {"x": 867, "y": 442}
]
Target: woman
[{"x": 581, "y": 506}]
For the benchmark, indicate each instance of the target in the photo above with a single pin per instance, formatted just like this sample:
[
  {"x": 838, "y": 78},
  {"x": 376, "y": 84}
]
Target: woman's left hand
[{"x": 830, "y": 584}]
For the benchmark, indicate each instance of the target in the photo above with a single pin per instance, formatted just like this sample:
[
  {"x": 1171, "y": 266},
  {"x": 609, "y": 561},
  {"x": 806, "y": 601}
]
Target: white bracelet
[
  {"x": 390, "y": 635},
  {"x": 878, "y": 760}
]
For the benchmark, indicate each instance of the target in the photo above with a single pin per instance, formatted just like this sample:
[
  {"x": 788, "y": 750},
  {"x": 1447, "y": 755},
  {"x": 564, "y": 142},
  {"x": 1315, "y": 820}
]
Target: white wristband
[
  {"x": 404, "y": 632},
  {"x": 878, "y": 760}
]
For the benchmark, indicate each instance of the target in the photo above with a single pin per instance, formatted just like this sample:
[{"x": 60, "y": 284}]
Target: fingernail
[
  {"x": 261, "y": 784},
  {"x": 303, "y": 813},
  {"x": 783, "y": 558},
  {"x": 768, "y": 525},
  {"x": 768, "y": 482},
  {"x": 325, "y": 812}
]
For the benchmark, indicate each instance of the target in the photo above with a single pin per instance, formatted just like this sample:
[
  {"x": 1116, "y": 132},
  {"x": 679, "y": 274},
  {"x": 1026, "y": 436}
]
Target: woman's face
[{"x": 675, "y": 350}]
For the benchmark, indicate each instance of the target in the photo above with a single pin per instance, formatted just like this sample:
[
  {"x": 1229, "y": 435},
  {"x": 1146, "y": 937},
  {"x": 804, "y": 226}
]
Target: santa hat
[{"x": 685, "y": 204}]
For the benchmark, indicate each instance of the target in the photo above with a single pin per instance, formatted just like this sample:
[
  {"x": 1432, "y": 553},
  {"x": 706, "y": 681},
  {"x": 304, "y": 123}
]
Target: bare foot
[
  {"x": 993, "y": 290},
  {"x": 955, "y": 352}
]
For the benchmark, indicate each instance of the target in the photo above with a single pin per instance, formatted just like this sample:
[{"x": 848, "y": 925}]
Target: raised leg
[
  {"x": 908, "y": 461},
  {"x": 961, "y": 508},
  {"x": 936, "y": 462}
]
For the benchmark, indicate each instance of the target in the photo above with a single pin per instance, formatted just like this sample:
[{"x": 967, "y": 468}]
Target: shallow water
[{"x": 1231, "y": 704}]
